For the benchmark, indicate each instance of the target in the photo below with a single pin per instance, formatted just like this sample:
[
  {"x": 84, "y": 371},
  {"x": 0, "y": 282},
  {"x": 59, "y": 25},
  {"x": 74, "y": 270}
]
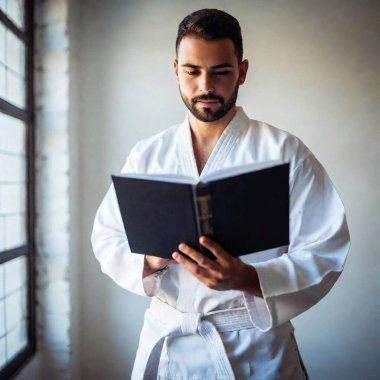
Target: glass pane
[
  {"x": 12, "y": 183},
  {"x": 2, "y": 291},
  {"x": 15, "y": 12},
  {"x": 15, "y": 89},
  {"x": 15, "y": 231},
  {"x": 15, "y": 53},
  {"x": 2, "y": 233},
  {"x": 12, "y": 168},
  {"x": 13, "y": 310},
  {"x": 2, "y": 82},
  {"x": 12, "y": 199},
  {"x": 12, "y": 135},
  {"x": 13, "y": 306},
  {"x": 3, "y": 5},
  {"x": 2, "y": 319},
  {"x": 15, "y": 274},
  {"x": 16, "y": 340},
  {"x": 2, "y": 44},
  {"x": 2, "y": 352}
]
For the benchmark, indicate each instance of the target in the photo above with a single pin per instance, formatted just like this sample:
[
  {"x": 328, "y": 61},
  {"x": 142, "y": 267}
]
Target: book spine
[{"x": 203, "y": 212}]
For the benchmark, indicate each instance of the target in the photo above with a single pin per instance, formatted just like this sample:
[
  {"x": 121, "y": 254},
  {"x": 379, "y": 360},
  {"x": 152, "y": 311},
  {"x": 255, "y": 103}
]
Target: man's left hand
[{"x": 225, "y": 273}]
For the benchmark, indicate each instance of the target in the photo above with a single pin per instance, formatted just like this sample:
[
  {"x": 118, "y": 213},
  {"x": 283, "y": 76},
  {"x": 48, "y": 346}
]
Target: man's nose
[{"x": 206, "y": 83}]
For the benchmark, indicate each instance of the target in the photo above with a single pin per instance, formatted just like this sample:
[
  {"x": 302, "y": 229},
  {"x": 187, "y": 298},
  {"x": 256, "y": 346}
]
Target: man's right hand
[{"x": 153, "y": 264}]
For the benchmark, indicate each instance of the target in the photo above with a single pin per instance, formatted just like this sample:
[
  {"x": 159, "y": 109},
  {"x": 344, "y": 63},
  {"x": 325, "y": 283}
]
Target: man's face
[{"x": 208, "y": 75}]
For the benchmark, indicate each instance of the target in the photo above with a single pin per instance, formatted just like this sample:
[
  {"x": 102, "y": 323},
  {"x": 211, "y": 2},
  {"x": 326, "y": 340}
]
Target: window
[{"x": 17, "y": 246}]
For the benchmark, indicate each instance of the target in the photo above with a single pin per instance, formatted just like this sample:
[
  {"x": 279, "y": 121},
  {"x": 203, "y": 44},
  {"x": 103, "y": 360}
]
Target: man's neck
[
  {"x": 208, "y": 133},
  {"x": 205, "y": 136}
]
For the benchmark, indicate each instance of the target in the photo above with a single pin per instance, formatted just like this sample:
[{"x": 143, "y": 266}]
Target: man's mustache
[{"x": 207, "y": 97}]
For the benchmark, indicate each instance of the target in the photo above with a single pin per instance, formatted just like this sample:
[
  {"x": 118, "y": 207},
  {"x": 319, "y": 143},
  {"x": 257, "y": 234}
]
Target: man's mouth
[
  {"x": 208, "y": 103},
  {"x": 207, "y": 99}
]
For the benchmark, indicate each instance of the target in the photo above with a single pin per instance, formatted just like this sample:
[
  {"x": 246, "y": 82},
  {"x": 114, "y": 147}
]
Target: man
[{"x": 227, "y": 318}]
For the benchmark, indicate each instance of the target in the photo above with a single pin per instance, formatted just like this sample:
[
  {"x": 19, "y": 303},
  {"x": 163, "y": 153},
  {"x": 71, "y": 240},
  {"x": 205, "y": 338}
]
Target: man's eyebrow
[{"x": 220, "y": 66}]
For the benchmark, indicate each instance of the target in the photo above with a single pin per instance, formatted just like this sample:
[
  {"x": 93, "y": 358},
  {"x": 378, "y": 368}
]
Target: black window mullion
[
  {"x": 11, "y": 110},
  {"x": 31, "y": 176},
  {"x": 13, "y": 367},
  {"x": 11, "y": 254},
  {"x": 23, "y": 36}
]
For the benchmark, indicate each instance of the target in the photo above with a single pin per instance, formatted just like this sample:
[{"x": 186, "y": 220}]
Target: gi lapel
[{"x": 227, "y": 141}]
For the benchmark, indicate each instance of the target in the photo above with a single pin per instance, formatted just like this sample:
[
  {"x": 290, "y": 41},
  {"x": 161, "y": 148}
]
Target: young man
[{"x": 228, "y": 318}]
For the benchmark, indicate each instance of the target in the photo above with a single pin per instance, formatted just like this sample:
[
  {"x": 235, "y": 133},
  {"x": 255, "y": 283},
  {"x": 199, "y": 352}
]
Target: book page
[
  {"x": 174, "y": 178},
  {"x": 241, "y": 169}
]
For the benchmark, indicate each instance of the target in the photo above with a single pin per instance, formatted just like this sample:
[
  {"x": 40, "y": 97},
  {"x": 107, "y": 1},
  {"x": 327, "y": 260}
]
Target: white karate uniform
[{"x": 293, "y": 278}]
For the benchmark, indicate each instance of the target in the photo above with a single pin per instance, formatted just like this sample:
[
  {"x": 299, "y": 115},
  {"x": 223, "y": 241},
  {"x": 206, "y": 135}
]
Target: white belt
[{"x": 208, "y": 326}]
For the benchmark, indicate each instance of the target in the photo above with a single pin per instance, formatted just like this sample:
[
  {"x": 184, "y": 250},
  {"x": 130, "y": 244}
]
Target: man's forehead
[{"x": 200, "y": 52}]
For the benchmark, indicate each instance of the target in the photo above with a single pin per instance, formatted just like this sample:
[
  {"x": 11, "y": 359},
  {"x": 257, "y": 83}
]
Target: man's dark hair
[{"x": 210, "y": 25}]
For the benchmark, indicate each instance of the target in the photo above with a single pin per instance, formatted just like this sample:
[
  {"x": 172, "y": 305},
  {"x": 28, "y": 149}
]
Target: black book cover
[{"x": 244, "y": 213}]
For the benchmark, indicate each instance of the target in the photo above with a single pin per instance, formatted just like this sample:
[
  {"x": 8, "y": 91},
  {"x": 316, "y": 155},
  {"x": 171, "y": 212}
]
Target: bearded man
[{"x": 230, "y": 317}]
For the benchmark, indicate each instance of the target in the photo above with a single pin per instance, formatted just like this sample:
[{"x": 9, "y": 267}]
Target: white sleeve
[
  {"x": 111, "y": 246},
  {"x": 319, "y": 243}
]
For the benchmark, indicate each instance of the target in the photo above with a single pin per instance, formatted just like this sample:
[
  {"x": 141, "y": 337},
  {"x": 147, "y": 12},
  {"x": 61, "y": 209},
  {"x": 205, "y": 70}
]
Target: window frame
[{"x": 27, "y": 115}]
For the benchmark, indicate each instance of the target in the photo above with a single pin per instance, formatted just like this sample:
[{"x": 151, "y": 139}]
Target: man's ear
[
  {"x": 243, "y": 69},
  {"x": 175, "y": 67}
]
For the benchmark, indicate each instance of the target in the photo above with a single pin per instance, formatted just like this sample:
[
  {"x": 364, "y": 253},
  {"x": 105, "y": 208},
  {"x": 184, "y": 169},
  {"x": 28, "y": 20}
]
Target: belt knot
[{"x": 190, "y": 323}]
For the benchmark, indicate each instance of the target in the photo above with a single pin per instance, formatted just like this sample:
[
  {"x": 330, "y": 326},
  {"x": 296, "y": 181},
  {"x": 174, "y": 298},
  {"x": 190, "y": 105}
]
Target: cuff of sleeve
[
  {"x": 124, "y": 269},
  {"x": 260, "y": 311},
  {"x": 152, "y": 282}
]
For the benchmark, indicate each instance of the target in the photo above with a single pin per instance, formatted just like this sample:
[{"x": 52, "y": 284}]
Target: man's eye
[
  {"x": 191, "y": 72},
  {"x": 221, "y": 73}
]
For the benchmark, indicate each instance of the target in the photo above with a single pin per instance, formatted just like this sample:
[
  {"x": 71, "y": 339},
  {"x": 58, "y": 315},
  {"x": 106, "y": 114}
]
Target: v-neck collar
[{"x": 224, "y": 145}]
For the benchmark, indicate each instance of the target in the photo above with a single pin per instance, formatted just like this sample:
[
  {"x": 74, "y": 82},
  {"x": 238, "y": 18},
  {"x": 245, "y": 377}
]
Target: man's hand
[
  {"x": 153, "y": 264},
  {"x": 226, "y": 273}
]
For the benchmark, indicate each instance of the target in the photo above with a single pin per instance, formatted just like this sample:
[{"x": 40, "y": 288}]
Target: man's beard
[{"x": 207, "y": 114}]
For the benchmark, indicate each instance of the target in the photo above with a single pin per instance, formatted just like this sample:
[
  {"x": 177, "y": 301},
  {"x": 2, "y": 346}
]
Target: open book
[{"x": 244, "y": 208}]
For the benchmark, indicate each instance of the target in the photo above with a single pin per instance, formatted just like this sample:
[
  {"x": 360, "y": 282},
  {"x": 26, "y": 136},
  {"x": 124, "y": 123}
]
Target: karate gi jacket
[{"x": 292, "y": 278}]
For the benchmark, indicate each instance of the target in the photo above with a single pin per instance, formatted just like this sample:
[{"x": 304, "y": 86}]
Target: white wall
[{"x": 314, "y": 72}]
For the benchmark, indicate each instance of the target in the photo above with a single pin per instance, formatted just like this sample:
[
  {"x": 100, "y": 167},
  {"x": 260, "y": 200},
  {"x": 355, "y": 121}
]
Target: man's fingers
[
  {"x": 190, "y": 266},
  {"x": 221, "y": 255},
  {"x": 198, "y": 257}
]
